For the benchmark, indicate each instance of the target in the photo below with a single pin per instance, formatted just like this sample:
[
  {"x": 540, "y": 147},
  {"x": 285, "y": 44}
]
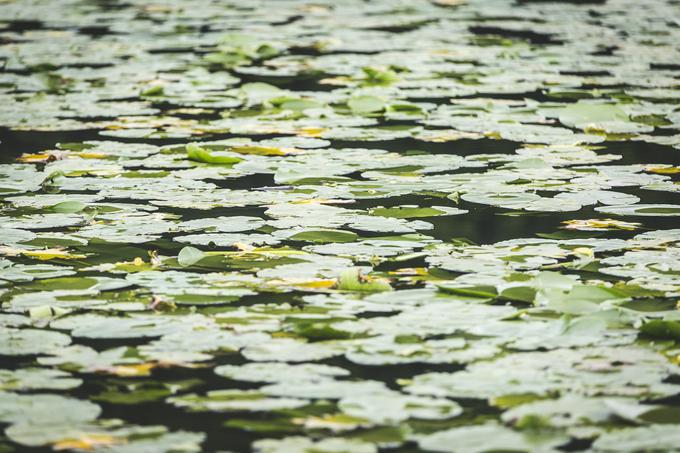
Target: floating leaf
[
  {"x": 18, "y": 342},
  {"x": 324, "y": 236},
  {"x": 582, "y": 114},
  {"x": 352, "y": 280},
  {"x": 189, "y": 256},
  {"x": 68, "y": 207},
  {"x": 362, "y": 105},
  {"x": 642, "y": 210},
  {"x": 489, "y": 437},
  {"x": 198, "y": 154}
]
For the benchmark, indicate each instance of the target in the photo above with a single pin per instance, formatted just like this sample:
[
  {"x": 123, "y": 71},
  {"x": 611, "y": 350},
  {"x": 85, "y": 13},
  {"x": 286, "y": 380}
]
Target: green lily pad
[
  {"x": 363, "y": 105},
  {"x": 19, "y": 342}
]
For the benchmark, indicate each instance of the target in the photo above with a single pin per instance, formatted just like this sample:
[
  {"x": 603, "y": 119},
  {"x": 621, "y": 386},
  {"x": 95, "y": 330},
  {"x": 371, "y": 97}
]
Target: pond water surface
[{"x": 339, "y": 226}]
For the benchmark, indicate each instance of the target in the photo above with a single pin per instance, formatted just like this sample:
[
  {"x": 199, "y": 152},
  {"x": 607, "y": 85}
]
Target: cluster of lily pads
[{"x": 340, "y": 226}]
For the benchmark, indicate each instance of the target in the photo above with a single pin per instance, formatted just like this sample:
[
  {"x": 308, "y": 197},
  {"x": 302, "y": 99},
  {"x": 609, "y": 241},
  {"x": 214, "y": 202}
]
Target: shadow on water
[{"x": 15, "y": 143}]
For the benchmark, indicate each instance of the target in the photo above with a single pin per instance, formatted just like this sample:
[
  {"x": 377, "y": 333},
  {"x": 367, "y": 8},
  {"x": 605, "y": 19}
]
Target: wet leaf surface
[{"x": 339, "y": 226}]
